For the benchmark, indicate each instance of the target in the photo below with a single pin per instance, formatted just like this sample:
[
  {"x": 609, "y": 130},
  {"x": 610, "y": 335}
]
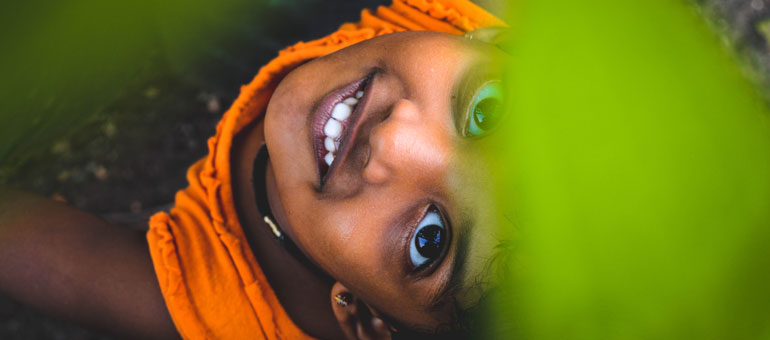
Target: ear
[{"x": 357, "y": 320}]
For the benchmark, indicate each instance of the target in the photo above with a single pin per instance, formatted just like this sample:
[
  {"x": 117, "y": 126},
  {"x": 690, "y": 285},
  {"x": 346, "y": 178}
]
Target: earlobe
[{"x": 356, "y": 319}]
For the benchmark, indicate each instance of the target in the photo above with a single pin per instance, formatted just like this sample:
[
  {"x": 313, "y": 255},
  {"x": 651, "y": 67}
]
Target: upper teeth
[{"x": 334, "y": 126}]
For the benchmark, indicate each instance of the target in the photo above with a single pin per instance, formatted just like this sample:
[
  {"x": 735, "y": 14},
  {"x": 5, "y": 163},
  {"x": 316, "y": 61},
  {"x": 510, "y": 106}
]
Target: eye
[
  {"x": 485, "y": 110},
  {"x": 429, "y": 240}
]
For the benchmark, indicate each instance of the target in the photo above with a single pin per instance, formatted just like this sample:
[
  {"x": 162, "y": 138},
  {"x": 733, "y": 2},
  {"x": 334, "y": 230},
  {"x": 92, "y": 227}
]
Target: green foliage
[{"x": 636, "y": 166}]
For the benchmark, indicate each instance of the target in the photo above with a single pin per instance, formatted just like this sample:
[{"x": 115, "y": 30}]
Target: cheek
[
  {"x": 346, "y": 238},
  {"x": 287, "y": 107}
]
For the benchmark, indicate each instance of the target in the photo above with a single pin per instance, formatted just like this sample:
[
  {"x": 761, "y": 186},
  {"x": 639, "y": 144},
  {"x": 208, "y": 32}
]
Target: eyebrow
[{"x": 458, "y": 266}]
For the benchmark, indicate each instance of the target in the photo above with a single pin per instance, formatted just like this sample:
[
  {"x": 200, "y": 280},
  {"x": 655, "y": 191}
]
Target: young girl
[{"x": 353, "y": 210}]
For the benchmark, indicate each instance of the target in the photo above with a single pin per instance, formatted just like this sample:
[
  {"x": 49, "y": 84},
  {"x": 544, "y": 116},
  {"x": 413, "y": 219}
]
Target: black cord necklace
[{"x": 258, "y": 178}]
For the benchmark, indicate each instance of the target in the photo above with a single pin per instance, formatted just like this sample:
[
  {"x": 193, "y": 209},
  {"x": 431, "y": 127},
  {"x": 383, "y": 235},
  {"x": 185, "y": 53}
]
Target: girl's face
[{"x": 378, "y": 170}]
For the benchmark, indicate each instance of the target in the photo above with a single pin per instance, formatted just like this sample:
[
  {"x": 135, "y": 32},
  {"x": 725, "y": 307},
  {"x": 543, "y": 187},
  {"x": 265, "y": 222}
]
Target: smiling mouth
[{"x": 338, "y": 112}]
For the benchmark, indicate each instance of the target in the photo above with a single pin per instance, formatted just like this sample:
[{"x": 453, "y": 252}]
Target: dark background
[{"x": 122, "y": 153}]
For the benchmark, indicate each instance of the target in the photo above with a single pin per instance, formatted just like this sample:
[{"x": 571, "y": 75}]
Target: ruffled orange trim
[
  {"x": 163, "y": 250},
  {"x": 462, "y": 14},
  {"x": 425, "y": 18},
  {"x": 380, "y": 24},
  {"x": 389, "y": 14}
]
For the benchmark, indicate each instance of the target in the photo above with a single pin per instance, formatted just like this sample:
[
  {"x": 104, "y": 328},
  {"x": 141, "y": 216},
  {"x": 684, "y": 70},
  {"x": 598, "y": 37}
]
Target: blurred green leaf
[{"x": 638, "y": 174}]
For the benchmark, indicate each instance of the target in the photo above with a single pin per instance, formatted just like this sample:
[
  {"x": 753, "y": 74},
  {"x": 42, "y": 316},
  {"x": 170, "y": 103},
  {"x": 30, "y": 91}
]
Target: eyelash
[
  {"x": 472, "y": 128},
  {"x": 432, "y": 217}
]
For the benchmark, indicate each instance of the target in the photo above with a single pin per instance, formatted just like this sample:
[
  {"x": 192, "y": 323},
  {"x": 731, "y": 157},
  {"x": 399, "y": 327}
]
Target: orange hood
[{"x": 210, "y": 280}]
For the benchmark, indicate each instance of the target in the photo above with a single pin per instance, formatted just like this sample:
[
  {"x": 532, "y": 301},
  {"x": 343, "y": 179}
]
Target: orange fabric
[{"x": 210, "y": 279}]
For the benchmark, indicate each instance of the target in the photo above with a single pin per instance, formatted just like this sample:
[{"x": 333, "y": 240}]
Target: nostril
[
  {"x": 404, "y": 110},
  {"x": 367, "y": 152},
  {"x": 376, "y": 172},
  {"x": 387, "y": 113},
  {"x": 392, "y": 141},
  {"x": 377, "y": 154}
]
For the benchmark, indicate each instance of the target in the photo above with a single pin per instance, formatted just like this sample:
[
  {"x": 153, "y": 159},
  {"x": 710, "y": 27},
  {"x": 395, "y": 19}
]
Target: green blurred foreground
[{"x": 636, "y": 172}]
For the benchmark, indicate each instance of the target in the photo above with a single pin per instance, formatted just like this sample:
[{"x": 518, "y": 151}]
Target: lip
[{"x": 324, "y": 112}]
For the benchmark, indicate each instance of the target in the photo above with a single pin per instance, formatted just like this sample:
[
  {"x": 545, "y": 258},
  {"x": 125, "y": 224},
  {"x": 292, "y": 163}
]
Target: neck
[{"x": 304, "y": 295}]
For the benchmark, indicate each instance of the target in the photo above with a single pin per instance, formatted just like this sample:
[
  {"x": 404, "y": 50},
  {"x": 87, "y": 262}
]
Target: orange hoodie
[{"x": 211, "y": 281}]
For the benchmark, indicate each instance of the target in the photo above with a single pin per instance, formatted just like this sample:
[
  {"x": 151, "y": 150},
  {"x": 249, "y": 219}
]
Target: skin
[
  {"x": 63, "y": 261},
  {"x": 409, "y": 155}
]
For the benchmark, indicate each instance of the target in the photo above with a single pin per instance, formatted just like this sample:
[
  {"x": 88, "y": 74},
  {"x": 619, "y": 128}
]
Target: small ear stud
[{"x": 342, "y": 299}]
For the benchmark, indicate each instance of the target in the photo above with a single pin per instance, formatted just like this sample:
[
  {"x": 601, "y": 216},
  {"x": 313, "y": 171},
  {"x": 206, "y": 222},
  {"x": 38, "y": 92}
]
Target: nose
[{"x": 411, "y": 145}]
